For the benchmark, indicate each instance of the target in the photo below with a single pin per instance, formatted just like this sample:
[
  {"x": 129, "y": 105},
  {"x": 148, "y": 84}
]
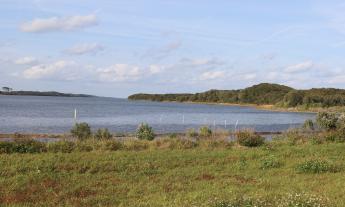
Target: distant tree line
[
  {"x": 264, "y": 93},
  {"x": 39, "y": 93}
]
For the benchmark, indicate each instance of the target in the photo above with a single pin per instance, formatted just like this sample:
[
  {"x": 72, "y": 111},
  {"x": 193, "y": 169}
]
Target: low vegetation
[{"x": 172, "y": 172}]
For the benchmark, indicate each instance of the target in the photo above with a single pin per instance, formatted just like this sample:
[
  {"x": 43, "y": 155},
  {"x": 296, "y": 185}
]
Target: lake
[{"x": 37, "y": 114}]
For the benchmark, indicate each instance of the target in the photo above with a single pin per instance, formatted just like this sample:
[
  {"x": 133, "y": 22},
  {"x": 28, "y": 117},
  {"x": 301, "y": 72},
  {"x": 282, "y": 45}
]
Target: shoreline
[
  {"x": 129, "y": 135},
  {"x": 266, "y": 107}
]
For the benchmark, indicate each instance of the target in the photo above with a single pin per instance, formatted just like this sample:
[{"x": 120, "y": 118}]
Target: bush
[
  {"x": 144, "y": 131},
  {"x": 102, "y": 134},
  {"x": 249, "y": 138},
  {"x": 182, "y": 144},
  {"x": 308, "y": 124},
  {"x": 81, "y": 130},
  {"x": 7, "y": 147},
  {"x": 317, "y": 166},
  {"x": 192, "y": 133},
  {"x": 113, "y": 145},
  {"x": 22, "y": 146},
  {"x": 61, "y": 146},
  {"x": 205, "y": 131},
  {"x": 327, "y": 120}
]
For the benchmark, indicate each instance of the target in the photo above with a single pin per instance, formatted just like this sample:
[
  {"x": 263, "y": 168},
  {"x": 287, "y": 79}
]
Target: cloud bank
[{"x": 54, "y": 24}]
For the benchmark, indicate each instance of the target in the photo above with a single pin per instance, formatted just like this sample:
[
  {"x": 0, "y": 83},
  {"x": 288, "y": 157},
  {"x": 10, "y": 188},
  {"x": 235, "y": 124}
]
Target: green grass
[{"x": 165, "y": 174}]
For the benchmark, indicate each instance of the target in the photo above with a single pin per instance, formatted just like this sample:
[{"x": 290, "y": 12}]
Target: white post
[
  {"x": 75, "y": 115},
  {"x": 225, "y": 124},
  {"x": 214, "y": 125},
  {"x": 236, "y": 125}
]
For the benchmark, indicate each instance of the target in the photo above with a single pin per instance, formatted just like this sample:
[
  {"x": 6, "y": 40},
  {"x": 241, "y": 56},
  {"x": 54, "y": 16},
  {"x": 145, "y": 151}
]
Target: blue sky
[{"x": 116, "y": 48}]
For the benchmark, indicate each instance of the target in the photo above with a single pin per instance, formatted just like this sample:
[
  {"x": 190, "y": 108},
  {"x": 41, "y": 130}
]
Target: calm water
[{"x": 55, "y": 115}]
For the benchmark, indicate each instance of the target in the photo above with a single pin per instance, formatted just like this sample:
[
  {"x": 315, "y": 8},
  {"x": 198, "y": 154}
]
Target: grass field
[{"x": 163, "y": 174}]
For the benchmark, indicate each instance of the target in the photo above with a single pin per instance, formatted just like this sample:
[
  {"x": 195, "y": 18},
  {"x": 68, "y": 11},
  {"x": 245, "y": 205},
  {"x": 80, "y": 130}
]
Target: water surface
[{"x": 35, "y": 114}]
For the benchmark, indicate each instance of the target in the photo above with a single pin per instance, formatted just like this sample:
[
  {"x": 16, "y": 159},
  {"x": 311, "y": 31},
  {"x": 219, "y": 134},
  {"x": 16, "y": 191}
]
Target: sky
[{"x": 117, "y": 48}]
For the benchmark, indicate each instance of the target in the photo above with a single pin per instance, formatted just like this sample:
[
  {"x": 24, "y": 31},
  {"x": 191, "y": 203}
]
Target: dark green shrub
[
  {"x": 102, "y": 134},
  {"x": 22, "y": 146},
  {"x": 7, "y": 147},
  {"x": 317, "y": 166},
  {"x": 29, "y": 146},
  {"x": 249, "y": 138},
  {"x": 205, "y": 131},
  {"x": 327, "y": 120},
  {"x": 308, "y": 124},
  {"x": 61, "y": 146},
  {"x": 191, "y": 133},
  {"x": 146, "y": 132},
  {"x": 81, "y": 130}
]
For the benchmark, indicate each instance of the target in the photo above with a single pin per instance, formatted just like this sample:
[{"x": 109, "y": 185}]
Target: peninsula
[{"x": 264, "y": 94}]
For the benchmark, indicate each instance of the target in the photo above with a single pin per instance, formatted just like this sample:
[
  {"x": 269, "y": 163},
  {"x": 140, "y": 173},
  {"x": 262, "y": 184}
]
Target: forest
[{"x": 260, "y": 94}]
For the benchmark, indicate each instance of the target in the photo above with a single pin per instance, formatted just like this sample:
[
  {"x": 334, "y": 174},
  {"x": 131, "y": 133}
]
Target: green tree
[
  {"x": 327, "y": 120},
  {"x": 146, "y": 132},
  {"x": 81, "y": 130}
]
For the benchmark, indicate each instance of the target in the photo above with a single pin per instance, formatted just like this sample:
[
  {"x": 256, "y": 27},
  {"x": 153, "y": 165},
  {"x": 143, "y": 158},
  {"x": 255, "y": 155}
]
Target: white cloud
[
  {"x": 25, "y": 61},
  {"x": 155, "y": 69},
  {"x": 119, "y": 73},
  {"x": 59, "y": 23},
  {"x": 43, "y": 71},
  {"x": 211, "y": 75},
  {"x": 300, "y": 67},
  {"x": 85, "y": 48}
]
